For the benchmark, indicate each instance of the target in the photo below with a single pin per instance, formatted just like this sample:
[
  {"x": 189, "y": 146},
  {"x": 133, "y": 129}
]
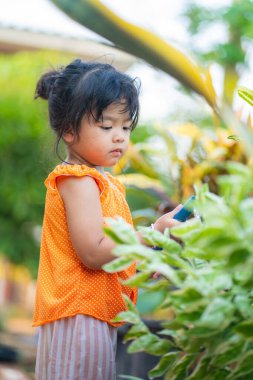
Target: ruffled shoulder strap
[{"x": 77, "y": 171}]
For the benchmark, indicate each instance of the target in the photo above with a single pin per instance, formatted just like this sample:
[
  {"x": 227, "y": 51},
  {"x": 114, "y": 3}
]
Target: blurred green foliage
[
  {"x": 232, "y": 53},
  {"x": 26, "y": 151}
]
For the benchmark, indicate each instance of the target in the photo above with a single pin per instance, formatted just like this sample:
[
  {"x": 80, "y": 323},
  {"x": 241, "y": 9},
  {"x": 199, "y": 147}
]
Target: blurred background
[{"x": 179, "y": 142}]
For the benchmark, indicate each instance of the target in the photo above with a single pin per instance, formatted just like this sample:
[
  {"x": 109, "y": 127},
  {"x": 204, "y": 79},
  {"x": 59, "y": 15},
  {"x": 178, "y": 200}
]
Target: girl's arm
[{"x": 81, "y": 198}]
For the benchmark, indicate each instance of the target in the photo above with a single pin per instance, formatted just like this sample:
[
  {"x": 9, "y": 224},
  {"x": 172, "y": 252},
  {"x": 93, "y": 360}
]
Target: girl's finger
[{"x": 178, "y": 208}]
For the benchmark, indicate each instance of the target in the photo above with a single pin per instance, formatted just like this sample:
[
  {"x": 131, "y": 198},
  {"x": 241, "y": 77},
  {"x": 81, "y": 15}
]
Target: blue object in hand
[{"x": 186, "y": 211}]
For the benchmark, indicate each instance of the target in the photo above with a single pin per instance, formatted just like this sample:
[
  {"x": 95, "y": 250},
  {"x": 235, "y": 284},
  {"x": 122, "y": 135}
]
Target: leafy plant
[{"x": 207, "y": 281}]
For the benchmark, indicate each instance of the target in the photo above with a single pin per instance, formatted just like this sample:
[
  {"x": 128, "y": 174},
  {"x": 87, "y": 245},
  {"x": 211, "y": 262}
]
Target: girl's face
[{"x": 102, "y": 142}]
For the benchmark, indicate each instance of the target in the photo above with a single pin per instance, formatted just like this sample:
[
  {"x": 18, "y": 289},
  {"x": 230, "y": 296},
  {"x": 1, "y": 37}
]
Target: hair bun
[{"x": 45, "y": 84}]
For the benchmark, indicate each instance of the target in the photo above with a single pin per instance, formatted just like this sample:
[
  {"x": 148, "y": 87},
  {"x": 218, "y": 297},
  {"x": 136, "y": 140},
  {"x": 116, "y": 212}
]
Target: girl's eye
[
  {"x": 127, "y": 128},
  {"x": 106, "y": 128}
]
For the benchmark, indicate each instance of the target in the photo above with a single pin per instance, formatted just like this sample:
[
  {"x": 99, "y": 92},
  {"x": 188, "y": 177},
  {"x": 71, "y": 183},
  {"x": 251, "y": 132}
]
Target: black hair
[{"x": 82, "y": 88}]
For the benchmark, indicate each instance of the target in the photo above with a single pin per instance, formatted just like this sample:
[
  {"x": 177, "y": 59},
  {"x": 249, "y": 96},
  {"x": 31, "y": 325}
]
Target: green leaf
[
  {"x": 156, "y": 285},
  {"x": 246, "y": 94},
  {"x": 244, "y": 305},
  {"x": 113, "y": 235},
  {"x": 201, "y": 369},
  {"x": 127, "y": 316},
  {"x": 136, "y": 331},
  {"x": 218, "y": 314},
  {"x": 149, "y": 301},
  {"x": 151, "y": 344},
  {"x": 244, "y": 366},
  {"x": 121, "y": 231},
  {"x": 171, "y": 246},
  {"x": 202, "y": 332},
  {"x": 136, "y": 251},
  {"x": 184, "y": 230},
  {"x": 245, "y": 328},
  {"x": 178, "y": 371},
  {"x": 219, "y": 374},
  {"x": 168, "y": 332},
  {"x": 163, "y": 365},
  {"x": 238, "y": 256},
  {"x": 172, "y": 325},
  {"x": 166, "y": 271},
  {"x": 136, "y": 280},
  {"x": 156, "y": 238},
  {"x": 186, "y": 296},
  {"x": 190, "y": 315},
  {"x": 227, "y": 352},
  {"x": 118, "y": 264},
  {"x": 191, "y": 252},
  {"x": 221, "y": 281},
  {"x": 177, "y": 262},
  {"x": 130, "y": 304}
]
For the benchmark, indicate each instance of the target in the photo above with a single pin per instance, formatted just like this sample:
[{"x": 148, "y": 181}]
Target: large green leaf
[
  {"x": 179, "y": 370},
  {"x": 164, "y": 364},
  {"x": 151, "y": 344},
  {"x": 140, "y": 42}
]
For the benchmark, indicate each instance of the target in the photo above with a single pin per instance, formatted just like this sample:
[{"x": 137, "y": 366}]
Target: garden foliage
[
  {"x": 26, "y": 155},
  {"x": 232, "y": 50},
  {"x": 207, "y": 282}
]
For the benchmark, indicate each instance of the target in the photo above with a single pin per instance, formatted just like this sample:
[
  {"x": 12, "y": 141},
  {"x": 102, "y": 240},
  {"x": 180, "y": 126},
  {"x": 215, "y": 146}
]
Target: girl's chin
[{"x": 106, "y": 163}]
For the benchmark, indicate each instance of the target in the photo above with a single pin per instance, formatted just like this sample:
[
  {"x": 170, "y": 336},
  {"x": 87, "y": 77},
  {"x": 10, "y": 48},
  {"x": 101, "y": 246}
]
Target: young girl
[{"x": 93, "y": 108}]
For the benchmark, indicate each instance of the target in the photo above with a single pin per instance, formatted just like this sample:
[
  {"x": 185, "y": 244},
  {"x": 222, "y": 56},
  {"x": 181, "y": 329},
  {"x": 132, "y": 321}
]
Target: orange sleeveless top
[{"x": 65, "y": 286}]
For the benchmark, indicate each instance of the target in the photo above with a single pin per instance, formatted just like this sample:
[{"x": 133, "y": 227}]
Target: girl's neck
[
  {"x": 100, "y": 169},
  {"x": 73, "y": 160}
]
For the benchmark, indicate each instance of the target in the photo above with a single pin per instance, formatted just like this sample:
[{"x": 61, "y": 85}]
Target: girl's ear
[{"x": 68, "y": 137}]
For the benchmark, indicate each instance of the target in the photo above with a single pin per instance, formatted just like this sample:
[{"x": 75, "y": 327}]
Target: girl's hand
[{"x": 166, "y": 220}]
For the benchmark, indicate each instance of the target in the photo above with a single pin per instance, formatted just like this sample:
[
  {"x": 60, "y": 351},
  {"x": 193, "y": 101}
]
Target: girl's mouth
[{"x": 116, "y": 152}]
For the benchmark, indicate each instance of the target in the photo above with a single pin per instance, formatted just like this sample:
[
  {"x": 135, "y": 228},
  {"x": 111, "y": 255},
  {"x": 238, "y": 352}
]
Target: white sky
[{"x": 159, "y": 96}]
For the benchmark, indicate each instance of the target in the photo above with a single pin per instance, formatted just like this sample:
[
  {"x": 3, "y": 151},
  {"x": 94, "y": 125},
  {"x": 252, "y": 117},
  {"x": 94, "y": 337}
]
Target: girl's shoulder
[{"x": 76, "y": 171}]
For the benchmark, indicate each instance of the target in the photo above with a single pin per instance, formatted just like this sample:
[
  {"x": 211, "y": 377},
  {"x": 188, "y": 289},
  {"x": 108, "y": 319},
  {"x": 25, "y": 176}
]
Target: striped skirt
[{"x": 76, "y": 348}]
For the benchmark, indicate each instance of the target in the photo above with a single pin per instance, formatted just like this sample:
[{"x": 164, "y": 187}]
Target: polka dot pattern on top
[{"x": 65, "y": 286}]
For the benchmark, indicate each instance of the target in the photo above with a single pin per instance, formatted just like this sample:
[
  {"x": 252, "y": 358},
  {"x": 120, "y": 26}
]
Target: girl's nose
[{"x": 118, "y": 137}]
